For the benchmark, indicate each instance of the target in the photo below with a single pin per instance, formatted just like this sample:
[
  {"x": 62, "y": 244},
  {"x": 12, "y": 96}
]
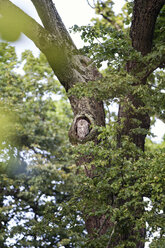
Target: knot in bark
[{"x": 82, "y": 129}]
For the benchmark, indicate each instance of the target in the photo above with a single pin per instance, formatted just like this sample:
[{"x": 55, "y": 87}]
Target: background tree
[
  {"x": 112, "y": 191},
  {"x": 35, "y": 166}
]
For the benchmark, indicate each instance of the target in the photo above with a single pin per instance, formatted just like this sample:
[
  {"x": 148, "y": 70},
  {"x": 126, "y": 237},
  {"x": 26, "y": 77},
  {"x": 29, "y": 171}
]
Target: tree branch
[
  {"x": 52, "y": 21},
  {"x": 113, "y": 230},
  {"x": 51, "y": 45},
  {"x": 152, "y": 64},
  {"x": 144, "y": 17},
  {"x": 68, "y": 65},
  {"x": 93, "y": 7},
  {"x": 27, "y": 25}
]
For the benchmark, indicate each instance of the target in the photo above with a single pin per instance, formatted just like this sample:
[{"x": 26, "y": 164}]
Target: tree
[
  {"x": 112, "y": 206},
  {"x": 33, "y": 154}
]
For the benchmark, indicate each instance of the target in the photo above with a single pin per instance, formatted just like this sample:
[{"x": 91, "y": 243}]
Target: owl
[{"x": 82, "y": 128}]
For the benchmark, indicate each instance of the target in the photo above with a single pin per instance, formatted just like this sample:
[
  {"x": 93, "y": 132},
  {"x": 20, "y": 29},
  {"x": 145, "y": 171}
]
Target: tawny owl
[{"x": 82, "y": 128}]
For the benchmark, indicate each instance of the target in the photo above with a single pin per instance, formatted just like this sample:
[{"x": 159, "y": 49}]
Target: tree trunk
[{"x": 133, "y": 109}]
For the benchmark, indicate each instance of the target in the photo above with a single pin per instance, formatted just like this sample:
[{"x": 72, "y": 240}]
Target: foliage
[
  {"x": 119, "y": 176},
  {"x": 36, "y": 168},
  {"x": 125, "y": 179},
  {"x": 6, "y": 21}
]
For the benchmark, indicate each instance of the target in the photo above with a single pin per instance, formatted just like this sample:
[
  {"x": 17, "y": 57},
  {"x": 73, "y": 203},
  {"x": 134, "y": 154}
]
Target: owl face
[{"x": 82, "y": 128}]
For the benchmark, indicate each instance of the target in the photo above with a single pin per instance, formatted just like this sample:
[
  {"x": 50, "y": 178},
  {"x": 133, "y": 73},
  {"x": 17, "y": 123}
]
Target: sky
[{"x": 72, "y": 12}]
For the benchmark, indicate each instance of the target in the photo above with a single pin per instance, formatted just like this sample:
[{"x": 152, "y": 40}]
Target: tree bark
[
  {"x": 145, "y": 13},
  {"x": 142, "y": 29},
  {"x": 133, "y": 109}
]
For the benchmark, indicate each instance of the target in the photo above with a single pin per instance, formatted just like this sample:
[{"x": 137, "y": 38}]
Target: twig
[
  {"x": 111, "y": 234},
  {"x": 90, "y": 4},
  {"x": 103, "y": 222}
]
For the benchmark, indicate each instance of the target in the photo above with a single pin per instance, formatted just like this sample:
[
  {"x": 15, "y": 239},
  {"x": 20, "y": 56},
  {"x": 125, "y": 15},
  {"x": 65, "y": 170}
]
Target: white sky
[{"x": 72, "y": 12}]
